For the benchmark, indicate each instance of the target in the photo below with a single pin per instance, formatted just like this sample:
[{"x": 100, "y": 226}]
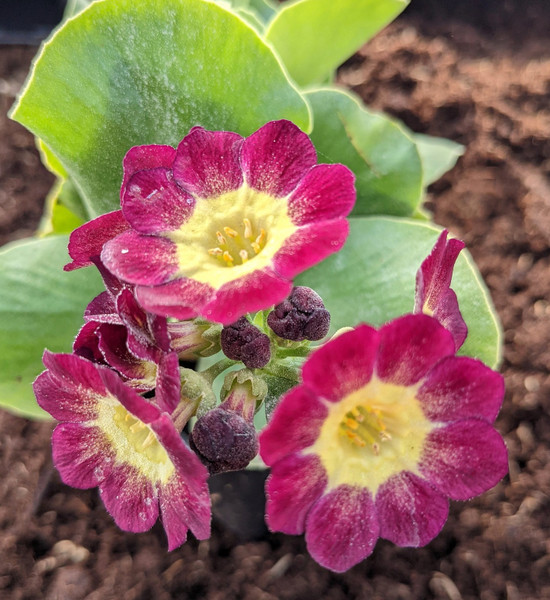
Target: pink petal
[
  {"x": 294, "y": 425},
  {"x": 207, "y": 162},
  {"x": 182, "y": 510},
  {"x": 145, "y": 157},
  {"x": 276, "y": 157},
  {"x": 310, "y": 245},
  {"x": 130, "y": 498},
  {"x": 410, "y": 346},
  {"x": 167, "y": 393},
  {"x": 141, "y": 259},
  {"x": 182, "y": 298},
  {"x": 459, "y": 388},
  {"x": 154, "y": 203},
  {"x": 434, "y": 276},
  {"x": 410, "y": 511},
  {"x": 464, "y": 458},
  {"x": 342, "y": 365},
  {"x": 342, "y": 528},
  {"x": 102, "y": 309},
  {"x": 69, "y": 390},
  {"x": 295, "y": 483},
  {"x": 80, "y": 454},
  {"x": 86, "y": 343},
  {"x": 448, "y": 314},
  {"x": 326, "y": 192},
  {"x": 256, "y": 291},
  {"x": 87, "y": 241}
]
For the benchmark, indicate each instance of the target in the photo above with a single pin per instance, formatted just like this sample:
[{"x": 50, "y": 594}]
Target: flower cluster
[{"x": 373, "y": 431}]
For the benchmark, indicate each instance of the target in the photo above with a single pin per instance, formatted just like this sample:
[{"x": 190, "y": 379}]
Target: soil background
[{"x": 475, "y": 72}]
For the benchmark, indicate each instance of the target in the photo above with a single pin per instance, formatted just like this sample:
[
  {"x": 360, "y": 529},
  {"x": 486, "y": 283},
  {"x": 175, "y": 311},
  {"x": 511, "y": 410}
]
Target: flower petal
[
  {"x": 459, "y": 387},
  {"x": 327, "y": 192},
  {"x": 295, "y": 425},
  {"x": 207, "y": 162},
  {"x": 141, "y": 259},
  {"x": 70, "y": 389},
  {"x": 79, "y": 453},
  {"x": 276, "y": 157},
  {"x": 181, "y": 298},
  {"x": 410, "y": 346},
  {"x": 154, "y": 203},
  {"x": 86, "y": 343},
  {"x": 167, "y": 393},
  {"x": 87, "y": 240},
  {"x": 410, "y": 511},
  {"x": 464, "y": 459},
  {"x": 310, "y": 245},
  {"x": 130, "y": 498},
  {"x": 256, "y": 291},
  {"x": 145, "y": 157},
  {"x": 102, "y": 309},
  {"x": 448, "y": 314},
  {"x": 294, "y": 484},
  {"x": 342, "y": 365},
  {"x": 342, "y": 528}
]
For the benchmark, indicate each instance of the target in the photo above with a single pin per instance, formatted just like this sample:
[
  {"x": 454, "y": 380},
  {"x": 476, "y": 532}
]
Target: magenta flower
[
  {"x": 221, "y": 225},
  {"x": 111, "y": 437},
  {"x": 434, "y": 295},
  {"x": 384, "y": 428}
]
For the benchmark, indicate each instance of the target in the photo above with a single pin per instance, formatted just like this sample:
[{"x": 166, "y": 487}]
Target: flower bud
[
  {"x": 302, "y": 316},
  {"x": 194, "y": 338},
  {"x": 224, "y": 440},
  {"x": 245, "y": 342}
]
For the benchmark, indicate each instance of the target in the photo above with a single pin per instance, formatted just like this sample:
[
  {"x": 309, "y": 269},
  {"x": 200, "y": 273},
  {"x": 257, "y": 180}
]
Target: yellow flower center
[
  {"x": 234, "y": 245},
  {"x": 134, "y": 442},
  {"x": 372, "y": 434},
  {"x": 242, "y": 229}
]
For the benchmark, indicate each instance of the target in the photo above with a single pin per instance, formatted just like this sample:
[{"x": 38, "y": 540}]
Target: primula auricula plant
[{"x": 269, "y": 231}]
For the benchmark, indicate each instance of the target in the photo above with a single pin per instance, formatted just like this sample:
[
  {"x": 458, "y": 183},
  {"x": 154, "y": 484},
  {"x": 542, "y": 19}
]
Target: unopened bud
[
  {"x": 224, "y": 440},
  {"x": 302, "y": 316},
  {"x": 194, "y": 338},
  {"x": 245, "y": 342},
  {"x": 242, "y": 392}
]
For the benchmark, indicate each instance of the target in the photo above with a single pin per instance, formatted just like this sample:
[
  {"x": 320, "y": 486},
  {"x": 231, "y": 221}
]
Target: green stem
[{"x": 214, "y": 370}]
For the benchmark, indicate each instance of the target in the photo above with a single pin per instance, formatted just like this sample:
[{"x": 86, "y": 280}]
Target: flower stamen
[
  {"x": 228, "y": 258},
  {"x": 221, "y": 238},
  {"x": 364, "y": 425},
  {"x": 230, "y": 232},
  {"x": 247, "y": 229}
]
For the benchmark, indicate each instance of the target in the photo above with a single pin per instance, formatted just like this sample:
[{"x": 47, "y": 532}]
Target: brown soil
[{"x": 481, "y": 78}]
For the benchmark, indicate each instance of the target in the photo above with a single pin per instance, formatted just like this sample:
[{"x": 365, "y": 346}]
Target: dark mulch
[{"x": 464, "y": 71}]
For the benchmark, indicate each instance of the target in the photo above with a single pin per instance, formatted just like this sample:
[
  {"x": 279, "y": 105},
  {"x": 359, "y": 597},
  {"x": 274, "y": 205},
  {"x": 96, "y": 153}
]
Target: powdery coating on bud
[
  {"x": 302, "y": 316},
  {"x": 245, "y": 342},
  {"x": 224, "y": 441}
]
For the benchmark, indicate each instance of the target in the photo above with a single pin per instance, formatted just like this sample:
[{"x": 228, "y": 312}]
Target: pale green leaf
[
  {"x": 40, "y": 306},
  {"x": 377, "y": 149},
  {"x": 313, "y": 37},
  {"x": 372, "y": 280},
  {"x": 124, "y": 73},
  {"x": 438, "y": 155}
]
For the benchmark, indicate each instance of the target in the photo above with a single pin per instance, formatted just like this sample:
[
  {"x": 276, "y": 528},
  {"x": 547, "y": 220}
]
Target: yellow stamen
[
  {"x": 255, "y": 247},
  {"x": 221, "y": 238},
  {"x": 247, "y": 229},
  {"x": 215, "y": 251},
  {"x": 261, "y": 238},
  {"x": 228, "y": 258},
  {"x": 230, "y": 232},
  {"x": 244, "y": 255},
  {"x": 149, "y": 440}
]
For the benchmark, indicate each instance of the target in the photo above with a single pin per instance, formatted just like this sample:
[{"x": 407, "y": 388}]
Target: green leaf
[
  {"x": 123, "y": 73},
  {"x": 40, "y": 306},
  {"x": 372, "y": 280},
  {"x": 377, "y": 149},
  {"x": 313, "y": 37},
  {"x": 438, "y": 155}
]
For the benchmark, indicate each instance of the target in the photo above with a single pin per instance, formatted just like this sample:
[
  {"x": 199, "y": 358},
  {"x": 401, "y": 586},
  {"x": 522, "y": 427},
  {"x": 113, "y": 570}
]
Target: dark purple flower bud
[
  {"x": 224, "y": 440},
  {"x": 245, "y": 342},
  {"x": 302, "y": 316}
]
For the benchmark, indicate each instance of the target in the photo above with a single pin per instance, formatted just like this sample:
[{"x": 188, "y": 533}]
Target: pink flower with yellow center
[
  {"x": 112, "y": 438},
  {"x": 385, "y": 427},
  {"x": 221, "y": 225}
]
